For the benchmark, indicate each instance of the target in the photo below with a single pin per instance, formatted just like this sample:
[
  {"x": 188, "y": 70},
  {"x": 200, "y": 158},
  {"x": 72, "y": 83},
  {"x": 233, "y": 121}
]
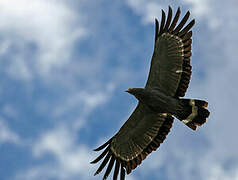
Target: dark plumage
[{"x": 159, "y": 100}]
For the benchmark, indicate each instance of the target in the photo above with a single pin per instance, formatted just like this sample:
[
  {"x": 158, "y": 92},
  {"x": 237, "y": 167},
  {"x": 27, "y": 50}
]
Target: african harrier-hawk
[{"x": 159, "y": 101}]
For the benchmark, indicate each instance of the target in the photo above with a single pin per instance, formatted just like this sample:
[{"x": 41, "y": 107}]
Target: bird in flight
[{"x": 158, "y": 102}]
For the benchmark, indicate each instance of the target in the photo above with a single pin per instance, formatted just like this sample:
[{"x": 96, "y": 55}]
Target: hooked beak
[{"x": 128, "y": 90}]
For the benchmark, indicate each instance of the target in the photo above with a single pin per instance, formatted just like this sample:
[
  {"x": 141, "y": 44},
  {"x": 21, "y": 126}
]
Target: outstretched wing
[
  {"x": 142, "y": 133},
  {"x": 170, "y": 69}
]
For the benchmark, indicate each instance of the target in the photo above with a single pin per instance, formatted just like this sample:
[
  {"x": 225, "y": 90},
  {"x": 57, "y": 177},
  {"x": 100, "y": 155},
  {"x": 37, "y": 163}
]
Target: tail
[{"x": 192, "y": 112}]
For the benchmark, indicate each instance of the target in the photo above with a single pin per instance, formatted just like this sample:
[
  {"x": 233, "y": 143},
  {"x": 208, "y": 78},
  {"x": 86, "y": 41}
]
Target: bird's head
[
  {"x": 131, "y": 91},
  {"x": 137, "y": 92}
]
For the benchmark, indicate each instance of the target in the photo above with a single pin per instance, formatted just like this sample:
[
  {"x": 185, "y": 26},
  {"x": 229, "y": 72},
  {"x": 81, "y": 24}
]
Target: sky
[{"x": 64, "y": 66}]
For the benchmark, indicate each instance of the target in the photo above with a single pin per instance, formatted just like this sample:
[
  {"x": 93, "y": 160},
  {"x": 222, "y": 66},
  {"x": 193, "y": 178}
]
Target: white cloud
[
  {"x": 84, "y": 100},
  {"x": 199, "y": 7},
  {"x": 82, "y": 103},
  {"x": 152, "y": 9},
  {"x": 62, "y": 144},
  {"x": 4, "y": 47},
  {"x": 50, "y": 26},
  {"x": 71, "y": 159},
  {"x": 7, "y": 135},
  {"x": 218, "y": 173},
  {"x": 148, "y": 10}
]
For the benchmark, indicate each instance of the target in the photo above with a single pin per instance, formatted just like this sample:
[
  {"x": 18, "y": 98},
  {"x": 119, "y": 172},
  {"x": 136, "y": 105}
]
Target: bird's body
[
  {"x": 156, "y": 100},
  {"x": 160, "y": 100}
]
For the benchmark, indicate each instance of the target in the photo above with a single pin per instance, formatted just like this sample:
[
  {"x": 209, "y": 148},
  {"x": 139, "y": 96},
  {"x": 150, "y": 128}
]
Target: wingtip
[
  {"x": 92, "y": 162},
  {"x": 170, "y": 9},
  {"x": 192, "y": 22},
  {"x": 187, "y": 13},
  {"x": 96, "y": 173},
  {"x": 179, "y": 10},
  {"x": 103, "y": 146},
  {"x": 156, "y": 21},
  {"x": 104, "y": 178},
  {"x": 156, "y": 29}
]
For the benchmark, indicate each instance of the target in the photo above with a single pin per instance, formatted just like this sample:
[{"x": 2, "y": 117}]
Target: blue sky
[{"x": 64, "y": 66}]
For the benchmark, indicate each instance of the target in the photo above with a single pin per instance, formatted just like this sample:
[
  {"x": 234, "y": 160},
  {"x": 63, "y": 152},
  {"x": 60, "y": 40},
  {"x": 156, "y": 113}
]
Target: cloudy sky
[{"x": 65, "y": 64}]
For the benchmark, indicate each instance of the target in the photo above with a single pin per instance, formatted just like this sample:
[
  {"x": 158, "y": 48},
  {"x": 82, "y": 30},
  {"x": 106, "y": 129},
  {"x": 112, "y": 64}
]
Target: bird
[{"x": 159, "y": 101}]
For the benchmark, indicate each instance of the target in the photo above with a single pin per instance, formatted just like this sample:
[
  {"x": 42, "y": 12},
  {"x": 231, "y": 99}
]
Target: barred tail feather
[{"x": 192, "y": 112}]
